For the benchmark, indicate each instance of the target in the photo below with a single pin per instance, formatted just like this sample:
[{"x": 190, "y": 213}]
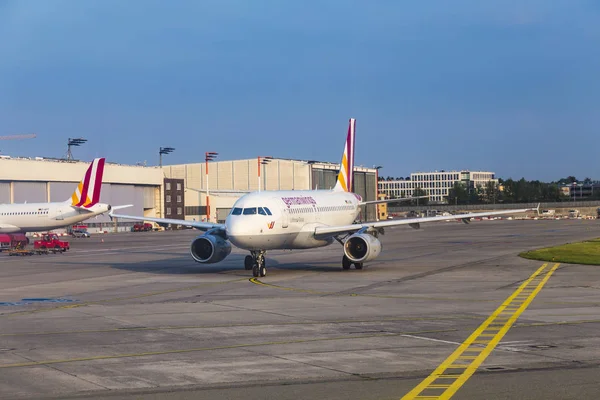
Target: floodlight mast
[
  {"x": 73, "y": 142},
  {"x": 164, "y": 150},
  {"x": 263, "y": 160},
  {"x": 208, "y": 156}
]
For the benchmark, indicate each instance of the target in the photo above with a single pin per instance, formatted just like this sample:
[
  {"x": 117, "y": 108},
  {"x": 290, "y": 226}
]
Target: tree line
[{"x": 511, "y": 191}]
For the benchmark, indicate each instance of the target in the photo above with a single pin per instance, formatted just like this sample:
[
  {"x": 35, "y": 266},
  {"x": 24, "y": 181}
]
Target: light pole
[
  {"x": 73, "y": 143},
  {"x": 262, "y": 161},
  {"x": 377, "y": 168},
  {"x": 164, "y": 150},
  {"x": 208, "y": 156}
]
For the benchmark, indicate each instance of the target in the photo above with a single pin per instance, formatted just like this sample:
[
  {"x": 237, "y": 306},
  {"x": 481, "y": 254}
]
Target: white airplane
[
  {"x": 35, "y": 217},
  {"x": 305, "y": 219}
]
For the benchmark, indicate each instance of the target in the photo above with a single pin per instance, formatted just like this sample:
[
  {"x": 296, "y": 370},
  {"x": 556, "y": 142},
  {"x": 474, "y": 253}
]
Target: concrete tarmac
[{"x": 133, "y": 316}]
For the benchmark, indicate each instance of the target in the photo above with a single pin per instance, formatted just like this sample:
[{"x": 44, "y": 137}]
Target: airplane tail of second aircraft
[
  {"x": 345, "y": 181},
  {"x": 87, "y": 192}
]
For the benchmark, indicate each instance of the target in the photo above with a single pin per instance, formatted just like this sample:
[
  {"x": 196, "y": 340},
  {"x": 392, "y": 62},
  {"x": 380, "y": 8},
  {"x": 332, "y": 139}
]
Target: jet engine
[
  {"x": 362, "y": 247},
  {"x": 209, "y": 249}
]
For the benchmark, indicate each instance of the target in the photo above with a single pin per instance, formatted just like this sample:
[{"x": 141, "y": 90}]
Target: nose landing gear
[{"x": 256, "y": 262}]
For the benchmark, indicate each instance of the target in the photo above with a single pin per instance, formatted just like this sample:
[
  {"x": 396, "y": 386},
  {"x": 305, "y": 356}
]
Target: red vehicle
[
  {"x": 12, "y": 241},
  {"x": 141, "y": 227},
  {"x": 50, "y": 241}
]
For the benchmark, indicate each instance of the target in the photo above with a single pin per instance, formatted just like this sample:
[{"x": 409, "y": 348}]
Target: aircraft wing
[
  {"x": 203, "y": 226},
  {"x": 324, "y": 231},
  {"x": 392, "y": 200},
  {"x": 222, "y": 192}
]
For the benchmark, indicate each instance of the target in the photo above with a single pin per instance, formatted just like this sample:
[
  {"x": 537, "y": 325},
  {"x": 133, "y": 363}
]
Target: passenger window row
[
  {"x": 303, "y": 210},
  {"x": 26, "y": 213},
  {"x": 336, "y": 208}
]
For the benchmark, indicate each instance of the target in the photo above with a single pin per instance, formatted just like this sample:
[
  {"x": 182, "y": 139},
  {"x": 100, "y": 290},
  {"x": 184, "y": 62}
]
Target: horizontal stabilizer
[{"x": 121, "y": 207}]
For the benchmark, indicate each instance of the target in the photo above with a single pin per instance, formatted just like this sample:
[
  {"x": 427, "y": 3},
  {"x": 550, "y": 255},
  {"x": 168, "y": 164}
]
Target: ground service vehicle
[
  {"x": 141, "y": 227},
  {"x": 50, "y": 241},
  {"x": 80, "y": 233},
  {"x": 12, "y": 241},
  {"x": 574, "y": 213}
]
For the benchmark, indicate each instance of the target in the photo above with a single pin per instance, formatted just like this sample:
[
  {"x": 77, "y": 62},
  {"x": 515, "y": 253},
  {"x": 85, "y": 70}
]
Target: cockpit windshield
[{"x": 251, "y": 211}]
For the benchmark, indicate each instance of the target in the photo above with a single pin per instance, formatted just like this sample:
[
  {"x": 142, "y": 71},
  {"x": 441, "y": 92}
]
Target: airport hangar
[{"x": 173, "y": 191}]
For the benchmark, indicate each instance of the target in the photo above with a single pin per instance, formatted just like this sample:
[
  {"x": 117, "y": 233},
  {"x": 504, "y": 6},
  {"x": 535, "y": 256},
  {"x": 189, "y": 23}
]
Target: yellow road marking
[
  {"x": 199, "y": 349},
  {"x": 534, "y": 284}
]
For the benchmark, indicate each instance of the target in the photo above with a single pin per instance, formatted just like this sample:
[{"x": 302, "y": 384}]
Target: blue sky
[{"x": 508, "y": 86}]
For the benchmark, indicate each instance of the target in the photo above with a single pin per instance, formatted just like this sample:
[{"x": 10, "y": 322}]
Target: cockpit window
[
  {"x": 262, "y": 211},
  {"x": 267, "y": 211},
  {"x": 236, "y": 211},
  {"x": 250, "y": 211}
]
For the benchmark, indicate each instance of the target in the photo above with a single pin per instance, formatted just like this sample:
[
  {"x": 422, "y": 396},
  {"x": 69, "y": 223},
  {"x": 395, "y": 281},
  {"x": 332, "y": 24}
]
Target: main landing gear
[
  {"x": 256, "y": 263},
  {"x": 346, "y": 263}
]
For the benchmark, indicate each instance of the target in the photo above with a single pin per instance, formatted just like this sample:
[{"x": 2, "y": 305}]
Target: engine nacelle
[
  {"x": 209, "y": 249},
  {"x": 362, "y": 247}
]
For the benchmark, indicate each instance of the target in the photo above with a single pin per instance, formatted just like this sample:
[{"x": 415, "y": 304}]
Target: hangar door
[
  {"x": 4, "y": 193},
  {"x": 30, "y": 192},
  {"x": 61, "y": 191},
  {"x": 222, "y": 214}
]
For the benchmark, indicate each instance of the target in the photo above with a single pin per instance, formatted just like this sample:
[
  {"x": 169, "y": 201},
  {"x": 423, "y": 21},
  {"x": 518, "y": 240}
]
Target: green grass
[{"x": 587, "y": 252}]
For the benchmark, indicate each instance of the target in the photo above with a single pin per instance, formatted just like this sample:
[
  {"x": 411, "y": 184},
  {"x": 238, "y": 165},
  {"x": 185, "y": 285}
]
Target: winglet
[
  {"x": 87, "y": 192},
  {"x": 345, "y": 177}
]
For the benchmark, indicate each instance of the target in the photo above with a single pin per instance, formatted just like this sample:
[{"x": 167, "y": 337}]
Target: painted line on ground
[
  {"x": 378, "y": 296},
  {"x": 455, "y": 370},
  {"x": 175, "y": 327},
  {"x": 200, "y": 349},
  {"x": 139, "y": 296}
]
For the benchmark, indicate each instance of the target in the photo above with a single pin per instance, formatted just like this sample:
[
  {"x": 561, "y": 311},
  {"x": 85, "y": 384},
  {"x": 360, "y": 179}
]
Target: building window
[
  {"x": 178, "y": 186},
  {"x": 179, "y": 211},
  {"x": 179, "y": 199},
  {"x": 168, "y": 210},
  {"x": 168, "y": 186},
  {"x": 168, "y": 199}
]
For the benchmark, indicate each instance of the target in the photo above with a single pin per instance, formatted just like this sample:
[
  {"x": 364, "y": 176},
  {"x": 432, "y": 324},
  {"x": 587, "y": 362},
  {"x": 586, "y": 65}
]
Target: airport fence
[{"x": 501, "y": 206}]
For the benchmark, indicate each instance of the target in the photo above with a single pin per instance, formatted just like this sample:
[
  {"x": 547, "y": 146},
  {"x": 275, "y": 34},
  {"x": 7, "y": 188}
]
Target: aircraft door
[
  {"x": 285, "y": 218},
  {"x": 58, "y": 214}
]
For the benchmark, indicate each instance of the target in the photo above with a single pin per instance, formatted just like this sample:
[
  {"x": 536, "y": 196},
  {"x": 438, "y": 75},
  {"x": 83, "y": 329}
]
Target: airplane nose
[{"x": 237, "y": 232}]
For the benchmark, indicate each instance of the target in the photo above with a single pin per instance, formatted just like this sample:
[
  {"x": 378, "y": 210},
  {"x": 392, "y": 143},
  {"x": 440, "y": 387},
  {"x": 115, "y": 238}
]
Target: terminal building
[
  {"x": 436, "y": 184},
  {"x": 174, "y": 191}
]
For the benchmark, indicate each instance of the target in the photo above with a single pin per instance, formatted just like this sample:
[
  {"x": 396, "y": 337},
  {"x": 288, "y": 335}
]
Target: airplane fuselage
[
  {"x": 35, "y": 217},
  {"x": 287, "y": 219}
]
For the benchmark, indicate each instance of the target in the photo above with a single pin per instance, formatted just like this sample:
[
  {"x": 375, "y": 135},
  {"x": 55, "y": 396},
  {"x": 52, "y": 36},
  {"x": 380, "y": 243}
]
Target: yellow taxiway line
[{"x": 453, "y": 372}]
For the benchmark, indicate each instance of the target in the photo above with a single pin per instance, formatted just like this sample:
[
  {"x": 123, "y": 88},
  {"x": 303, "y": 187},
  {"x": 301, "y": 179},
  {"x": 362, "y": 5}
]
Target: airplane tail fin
[
  {"x": 87, "y": 193},
  {"x": 345, "y": 181}
]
